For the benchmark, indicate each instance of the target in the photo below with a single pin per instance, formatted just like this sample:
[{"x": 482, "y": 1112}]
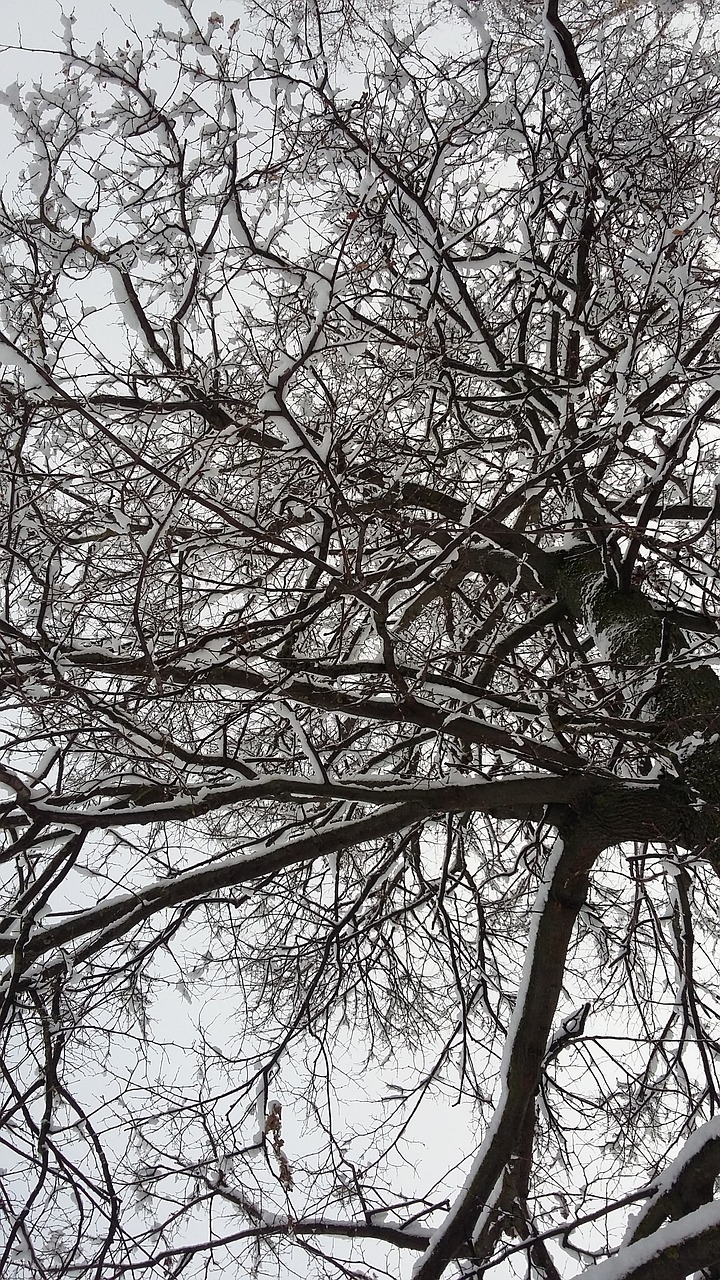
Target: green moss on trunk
[{"x": 685, "y": 702}]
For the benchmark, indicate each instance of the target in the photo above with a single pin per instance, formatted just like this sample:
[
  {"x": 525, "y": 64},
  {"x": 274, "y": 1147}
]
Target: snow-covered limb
[
  {"x": 685, "y": 1184},
  {"x": 571, "y": 1026},
  {"x": 289, "y": 1229},
  {"x": 125, "y": 911},
  {"x": 412, "y": 1236},
  {"x": 146, "y": 803},
  {"x": 128, "y": 910},
  {"x": 418, "y": 711},
  {"x": 673, "y": 1252}
]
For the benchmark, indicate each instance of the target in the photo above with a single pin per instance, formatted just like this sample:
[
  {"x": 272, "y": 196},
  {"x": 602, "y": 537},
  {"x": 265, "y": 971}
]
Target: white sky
[
  {"x": 36, "y": 21},
  {"x": 34, "y": 26},
  {"x": 30, "y": 34}
]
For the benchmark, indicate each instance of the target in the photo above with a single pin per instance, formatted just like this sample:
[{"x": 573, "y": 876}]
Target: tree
[{"x": 360, "y": 598}]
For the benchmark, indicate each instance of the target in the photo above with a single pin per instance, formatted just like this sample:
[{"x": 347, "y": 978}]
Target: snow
[
  {"x": 269, "y": 404},
  {"x": 236, "y": 226},
  {"x": 322, "y": 294},
  {"x": 488, "y": 1208},
  {"x": 35, "y": 383},
  {"x": 570, "y": 1026},
  {"x": 127, "y": 310},
  {"x": 633, "y": 1256},
  {"x": 708, "y": 1132}
]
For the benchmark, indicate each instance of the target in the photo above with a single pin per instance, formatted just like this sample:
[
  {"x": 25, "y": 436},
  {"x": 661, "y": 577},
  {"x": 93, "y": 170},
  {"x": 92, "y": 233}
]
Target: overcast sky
[
  {"x": 36, "y": 21},
  {"x": 35, "y": 25}
]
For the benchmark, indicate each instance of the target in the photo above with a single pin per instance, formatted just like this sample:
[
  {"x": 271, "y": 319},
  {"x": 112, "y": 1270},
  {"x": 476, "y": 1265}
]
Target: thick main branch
[{"x": 558, "y": 902}]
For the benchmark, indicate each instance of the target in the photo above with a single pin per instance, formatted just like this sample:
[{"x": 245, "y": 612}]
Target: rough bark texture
[{"x": 680, "y": 698}]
